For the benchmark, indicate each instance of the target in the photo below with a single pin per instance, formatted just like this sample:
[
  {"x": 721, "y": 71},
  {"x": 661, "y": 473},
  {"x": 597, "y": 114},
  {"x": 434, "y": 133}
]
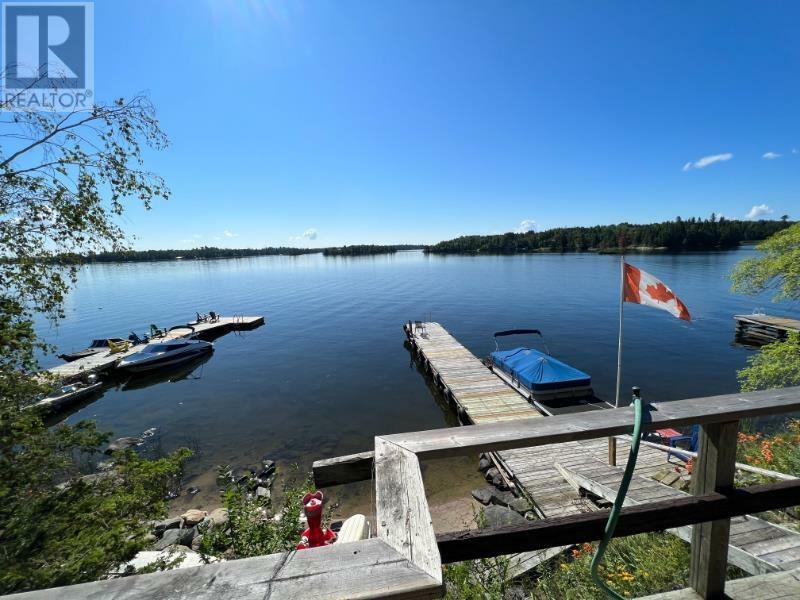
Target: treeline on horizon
[
  {"x": 368, "y": 249},
  {"x": 213, "y": 252},
  {"x": 678, "y": 235}
]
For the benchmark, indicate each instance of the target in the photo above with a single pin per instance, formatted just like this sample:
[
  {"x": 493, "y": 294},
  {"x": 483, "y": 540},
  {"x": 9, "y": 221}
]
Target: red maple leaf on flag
[{"x": 660, "y": 292}]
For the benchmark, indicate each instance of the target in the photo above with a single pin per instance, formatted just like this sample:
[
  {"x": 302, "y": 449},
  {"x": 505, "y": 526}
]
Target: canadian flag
[{"x": 642, "y": 288}]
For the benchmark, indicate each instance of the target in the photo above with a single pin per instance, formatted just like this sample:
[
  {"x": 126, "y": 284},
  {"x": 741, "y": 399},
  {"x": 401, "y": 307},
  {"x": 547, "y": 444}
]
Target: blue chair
[{"x": 692, "y": 441}]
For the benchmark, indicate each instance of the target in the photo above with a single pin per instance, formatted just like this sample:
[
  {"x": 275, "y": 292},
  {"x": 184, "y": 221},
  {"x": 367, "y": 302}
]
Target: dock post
[{"x": 713, "y": 472}]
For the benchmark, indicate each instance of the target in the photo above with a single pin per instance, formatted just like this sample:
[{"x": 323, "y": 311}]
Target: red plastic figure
[{"x": 314, "y": 536}]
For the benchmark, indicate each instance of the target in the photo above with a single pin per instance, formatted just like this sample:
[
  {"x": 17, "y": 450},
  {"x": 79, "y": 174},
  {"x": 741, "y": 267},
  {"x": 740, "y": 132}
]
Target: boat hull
[{"x": 161, "y": 362}]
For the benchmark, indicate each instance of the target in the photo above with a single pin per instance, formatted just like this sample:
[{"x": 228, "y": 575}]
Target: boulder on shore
[
  {"x": 162, "y": 526},
  {"x": 193, "y": 516},
  {"x": 483, "y": 495},
  {"x": 500, "y": 516},
  {"x": 217, "y": 517},
  {"x": 171, "y": 537}
]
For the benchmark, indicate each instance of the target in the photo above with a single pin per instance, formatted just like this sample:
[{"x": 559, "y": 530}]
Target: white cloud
[
  {"x": 526, "y": 226},
  {"x": 794, "y": 150},
  {"x": 217, "y": 238},
  {"x": 701, "y": 163},
  {"x": 310, "y": 234},
  {"x": 230, "y": 234},
  {"x": 770, "y": 155},
  {"x": 758, "y": 210}
]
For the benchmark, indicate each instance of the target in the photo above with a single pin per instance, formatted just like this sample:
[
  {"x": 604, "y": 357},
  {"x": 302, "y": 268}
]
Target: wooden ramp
[
  {"x": 756, "y": 546},
  {"x": 535, "y": 470},
  {"x": 105, "y": 360},
  {"x": 775, "y": 586}
]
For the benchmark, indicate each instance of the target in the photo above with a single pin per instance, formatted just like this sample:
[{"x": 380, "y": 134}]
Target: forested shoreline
[
  {"x": 213, "y": 252},
  {"x": 675, "y": 236},
  {"x": 368, "y": 249},
  {"x": 678, "y": 235}
]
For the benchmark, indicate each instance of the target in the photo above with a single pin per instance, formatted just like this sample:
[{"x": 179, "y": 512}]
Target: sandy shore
[{"x": 448, "y": 483}]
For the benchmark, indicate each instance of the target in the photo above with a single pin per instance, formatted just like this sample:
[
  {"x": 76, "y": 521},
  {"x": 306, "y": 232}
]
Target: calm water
[{"x": 329, "y": 370}]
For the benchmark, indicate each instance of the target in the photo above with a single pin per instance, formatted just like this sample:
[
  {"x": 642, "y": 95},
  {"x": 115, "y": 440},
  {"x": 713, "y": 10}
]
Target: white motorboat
[
  {"x": 164, "y": 354},
  {"x": 67, "y": 394}
]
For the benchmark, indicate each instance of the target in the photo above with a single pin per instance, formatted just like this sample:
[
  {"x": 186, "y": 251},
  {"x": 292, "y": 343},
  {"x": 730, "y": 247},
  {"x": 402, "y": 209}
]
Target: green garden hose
[{"x": 611, "y": 524}]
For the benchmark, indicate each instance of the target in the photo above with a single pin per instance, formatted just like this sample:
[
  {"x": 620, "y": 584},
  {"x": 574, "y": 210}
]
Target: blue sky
[{"x": 410, "y": 121}]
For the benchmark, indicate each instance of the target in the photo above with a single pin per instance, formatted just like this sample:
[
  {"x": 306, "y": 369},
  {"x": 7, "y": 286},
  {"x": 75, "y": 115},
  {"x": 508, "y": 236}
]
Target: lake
[{"x": 329, "y": 370}]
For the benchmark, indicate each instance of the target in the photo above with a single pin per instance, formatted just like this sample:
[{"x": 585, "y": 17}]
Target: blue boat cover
[{"x": 538, "y": 371}]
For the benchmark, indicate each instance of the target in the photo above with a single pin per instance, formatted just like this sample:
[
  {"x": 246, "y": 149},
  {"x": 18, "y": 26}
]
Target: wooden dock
[
  {"x": 478, "y": 394},
  {"x": 105, "y": 361},
  {"x": 541, "y": 473},
  {"x": 763, "y": 329}
]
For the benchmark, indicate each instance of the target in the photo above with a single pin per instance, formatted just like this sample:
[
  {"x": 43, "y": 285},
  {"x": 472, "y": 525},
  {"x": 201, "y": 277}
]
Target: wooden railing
[{"x": 405, "y": 559}]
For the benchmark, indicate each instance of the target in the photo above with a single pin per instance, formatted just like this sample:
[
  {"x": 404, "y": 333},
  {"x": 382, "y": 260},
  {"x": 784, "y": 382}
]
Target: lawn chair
[
  {"x": 690, "y": 440},
  {"x": 155, "y": 332},
  {"x": 419, "y": 328},
  {"x": 117, "y": 347},
  {"x": 213, "y": 316},
  {"x": 135, "y": 339}
]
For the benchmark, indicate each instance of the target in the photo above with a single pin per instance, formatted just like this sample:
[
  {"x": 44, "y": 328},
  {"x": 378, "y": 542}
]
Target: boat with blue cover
[{"x": 538, "y": 374}]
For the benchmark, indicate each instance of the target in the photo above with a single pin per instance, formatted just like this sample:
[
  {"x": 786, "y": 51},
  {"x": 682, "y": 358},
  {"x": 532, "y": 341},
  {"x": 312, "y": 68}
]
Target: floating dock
[
  {"x": 104, "y": 361},
  {"x": 763, "y": 329},
  {"x": 542, "y": 473}
]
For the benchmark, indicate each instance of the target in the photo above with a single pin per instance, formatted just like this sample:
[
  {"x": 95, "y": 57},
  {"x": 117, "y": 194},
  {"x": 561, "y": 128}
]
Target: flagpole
[
  {"x": 612, "y": 441},
  {"x": 619, "y": 342}
]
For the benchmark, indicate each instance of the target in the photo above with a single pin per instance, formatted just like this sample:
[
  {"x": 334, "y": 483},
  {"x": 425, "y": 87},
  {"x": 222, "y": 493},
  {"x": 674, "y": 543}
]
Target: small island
[{"x": 679, "y": 235}]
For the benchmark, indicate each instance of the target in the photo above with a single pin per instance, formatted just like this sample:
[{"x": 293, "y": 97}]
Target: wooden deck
[
  {"x": 775, "y": 586},
  {"x": 756, "y": 546},
  {"x": 105, "y": 360},
  {"x": 763, "y": 329}
]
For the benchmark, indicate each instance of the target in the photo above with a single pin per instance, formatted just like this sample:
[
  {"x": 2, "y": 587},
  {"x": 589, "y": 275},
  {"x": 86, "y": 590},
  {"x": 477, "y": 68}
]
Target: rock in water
[
  {"x": 491, "y": 473},
  {"x": 268, "y": 466},
  {"x": 483, "y": 495},
  {"x": 484, "y": 464},
  {"x": 193, "y": 516},
  {"x": 123, "y": 443},
  {"x": 499, "y": 516}
]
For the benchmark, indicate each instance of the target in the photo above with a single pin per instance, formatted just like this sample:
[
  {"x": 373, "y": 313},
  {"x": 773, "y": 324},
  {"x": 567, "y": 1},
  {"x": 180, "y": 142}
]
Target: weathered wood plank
[
  {"x": 365, "y": 569},
  {"x": 587, "y": 527},
  {"x": 404, "y": 521},
  {"x": 738, "y": 553},
  {"x": 714, "y": 471},
  {"x": 595, "y": 424},
  {"x": 775, "y": 586},
  {"x": 343, "y": 469}
]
